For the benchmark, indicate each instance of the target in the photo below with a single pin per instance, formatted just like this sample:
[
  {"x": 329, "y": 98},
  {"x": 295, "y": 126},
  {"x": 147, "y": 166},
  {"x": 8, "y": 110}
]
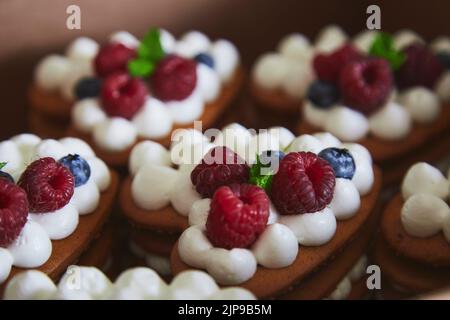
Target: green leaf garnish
[
  {"x": 150, "y": 52},
  {"x": 383, "y": 47},
  {"x": 258, "y": 178},
  {"x": 2, "y": 165}
]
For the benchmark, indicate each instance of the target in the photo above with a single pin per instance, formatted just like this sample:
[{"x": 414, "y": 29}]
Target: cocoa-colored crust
[
  {"x": 275, "y": 100},
  {"x": 406, "y": 273},
  {"x": 154, "y": 243},
  {"x": 433, "y": 251},
  {"x": 268, "y": 283},
  {"x": 359, "y": 290},
  {"x": 99, "y": 252},
  {"x": 423, "y": 143},
  {"x": 213, "y": 111},
  {"x": 46, "y": 127},
  {"x": 67, "y": 251},
  {"x": 49, "y": 103},
  {"x": 163, "y": 220}
]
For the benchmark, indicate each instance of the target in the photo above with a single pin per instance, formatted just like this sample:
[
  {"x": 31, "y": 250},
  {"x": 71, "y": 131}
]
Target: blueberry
[
  {"x": 267, "y": 157},
  {"x": 341, "y": 161},
  {"x": 88, "y": 88},
  {"x": 205, "y": 59},
  {"x": 444, "y": 58},
  {"x": 323, "y": 94},
  {"x": 7, "y": 176},
  {"x": 78, "y": 166}
]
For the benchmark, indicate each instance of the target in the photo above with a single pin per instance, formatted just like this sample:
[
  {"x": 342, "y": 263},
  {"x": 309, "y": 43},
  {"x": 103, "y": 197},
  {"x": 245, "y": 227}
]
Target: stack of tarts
[
  {"x": 298, "y": 233},
  {"x": 389, "y": 94},
  {"x": 413, "y": 248},
  {"x": 129, "y": 90},
  {"x": 55, "y": 197}
]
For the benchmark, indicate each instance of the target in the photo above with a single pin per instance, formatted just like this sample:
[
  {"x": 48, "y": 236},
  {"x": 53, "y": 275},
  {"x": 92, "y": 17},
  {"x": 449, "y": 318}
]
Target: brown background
[{"x": 31, "y": 28}]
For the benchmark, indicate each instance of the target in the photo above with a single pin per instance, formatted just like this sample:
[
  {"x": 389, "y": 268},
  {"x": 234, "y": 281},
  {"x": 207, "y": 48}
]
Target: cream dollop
[
  {"x": 422, "y": 103},
  {"x": 426, "y": 179}
]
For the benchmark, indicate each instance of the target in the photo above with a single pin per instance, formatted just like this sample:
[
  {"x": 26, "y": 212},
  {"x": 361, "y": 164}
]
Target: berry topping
[
  {"x": 304, "y": 183},
  {"x": 5, "y": 175},
  {"x": 261, "y": 173},
  {"x": 341, "y": 161},
  {"x": 122, "y": 95},
  {"x": 205, "y": 59},
  {"x": 365, "y": 85},
  {"x": 220, "y": 166},
  {"x": 329, "y": 66},
  {"x": 421, "y": 68},
  {"x": 88, "y": 88},
  {"x": 13, "y": 212},
  {"x": 48, "y": 184},
  {"x": 79, "y": 168},
  {"x": 323, "y": 94},
  {"x": 238, "y": 214},
  {"x": 174, "y": 78},
  {"x": 113, "y": 57},
  {"x": 444, "y": 59}
]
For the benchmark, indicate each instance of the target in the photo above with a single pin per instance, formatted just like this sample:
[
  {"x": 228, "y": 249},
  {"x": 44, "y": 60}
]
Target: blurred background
[{"x": 31, "y": 28}]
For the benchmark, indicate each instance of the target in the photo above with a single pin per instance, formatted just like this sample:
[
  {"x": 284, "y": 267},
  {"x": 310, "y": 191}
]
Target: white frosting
[
  {"x": 307, "y": 143},
  {"x": 346, "y": 124},
  {"x": 296, "y": 46},
  {"x": 154, "y": 120},
  {"x": 30, "y": 285},
  {"x": 363, "y": 41},
  {"x": 6, "y": 261},
  {"x": 346, "y": 201},
  {"x": 51, "y": 72},
  {"x": 183, "y": 194},
  {"x": 33, "y": 247},
  {"x": 314, "y": 115},
  {"x": 441, "y": 44},
  {"x": 297, "y": 80},
  {"x": 270, "y": 70},
  {"x": 115, "y": 134},
  {"x": 344, "y": 287},
  {"x": 209, "y": 84},
  {"x": 186, "y": 111},
  {"x": 197, "y": 42},
  {"x": 330, "y": 38},
  {"x": 125, "y": 38},
  {"x": 391, "y": 122},
  {"x": 87, "y": 114},
  {"x": 148, "y": 152},
  {"x": 359, "y": 269},
  {"x": 78, "y": 69},
  {"x": 226, "y": 58},
  {"x": 82, "y": 48},
  {"x": 422, "y": 103},
  {"x": 426, "y": 179},
  {"x": 442, "y": 87},
  {"x": 404, "y": 38},
  {"x": 364, "y": 175},
  {"x": 342, "y": 290}
]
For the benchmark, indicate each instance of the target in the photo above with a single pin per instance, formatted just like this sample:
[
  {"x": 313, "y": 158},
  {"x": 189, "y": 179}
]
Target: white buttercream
[
  {"x": 83, "y": 48},
  {"x": 125, "y": 38},
  {"x": 51, "y": 72},
  {"x": 441, "y": 44},
  {"x": 270, "y": 70},
  {"x": 58, "y": 224},
  {"x": 208, "y": 83},
  {"x": 391, "y": 122},
  {"x": 226, "y": 58},
  {"x": 307, "y": 143},
  {"x": 426, "y": 179},
  {"x": 404, "y": 38},
  {"x": 346, "y": 124},
  {"x": 296, "y": 46},
  {"x": 6, "y": 261},
  {"x": 421, "y": 103},
  {"x": 30, "y": 285},
  {"x": 148, "y": 152},
  {"x": 187, "y": 110},
  {"x": 154, "y": 120},
  {"x": 114, "y": 134},
  {"x": 442, "y": 87},
  {"x": 297, "y": 79},
  {"x": 87, "y": 114},
  {"x": 346, "y": 201},
  {"x": 183, "y": 194},
  {"x": 364, "y": 40},
  {"x": 330, "y": 38}
]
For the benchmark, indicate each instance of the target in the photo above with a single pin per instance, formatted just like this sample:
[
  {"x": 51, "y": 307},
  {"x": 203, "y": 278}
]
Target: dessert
[
  {"x": 132, "y": 284},
  {"x": 388, "y": 93},
  {"x": 413, "y": 248},
  {"x": 129, "y": 90},
  {"x": 269, "y": 232},
  {"x": 55, "y": 196}
]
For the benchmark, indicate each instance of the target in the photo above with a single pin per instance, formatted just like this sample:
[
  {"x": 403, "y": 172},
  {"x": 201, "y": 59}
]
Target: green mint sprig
[
  {"x": 261, "y": 180},
  {"x": 2, "y": 165},
  {"x": 383, "y": 47},
  {"x": 149, "y": 53}
]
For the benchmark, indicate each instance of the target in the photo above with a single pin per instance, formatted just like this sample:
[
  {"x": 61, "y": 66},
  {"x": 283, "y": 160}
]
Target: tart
[
  {"x": 270, "y": 229},
  {"x": 132, "y": 284},
  {"x": 56, "y": 197},
  {"x": 413, "y": 248},
  {"x": 130, "y": 90},
  {"x": 388, "y": 93}
]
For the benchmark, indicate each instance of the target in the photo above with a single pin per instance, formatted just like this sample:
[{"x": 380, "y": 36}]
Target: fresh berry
[
  {"x": 79, "y": 168},
  {"x": 365, "y": 85},
  {"x": 304, "y": 183},
  {"x": 323, "y": 94},
  {"x": 261, "y": 173},
  {"x": 122, "y": 95},
  {"x": 88, "y": 88},
  {"x": 237, "y": 216},
  {"x": 444, "y": 59},
  {"x": 220, "y": 166},
  {"x": 174, "y": 78},
  {"x": 13, "y": 211},
  {"x": 48, "y": 184},
  {"x": 113, "y": 57},
  {"x": 328, "y": 66},
  {"x": 421, "y": 68},
  {"x": 341, "y": 161},
  {"x": 7, "y": 176},
  {"x": 205, "y": 59}
]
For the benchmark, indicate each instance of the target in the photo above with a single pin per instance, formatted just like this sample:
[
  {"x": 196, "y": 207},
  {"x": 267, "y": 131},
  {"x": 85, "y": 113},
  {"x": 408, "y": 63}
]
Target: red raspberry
[
  {"x": 366, "y": 85},
  {"x": 13, "y": 212},
  {"x": 329, "y": 66},
  {"x": 219, "y": 167},
  {"x": 113, "y": 57},
  {"x": 48, "y": 184},
  {"x": 237, "y": 216},
  {"x": 122, "y": 95},
  {"x": 304, "y": 183},
  {"x": 174, "y": 78},
  {"x": 421, "y": 68}
]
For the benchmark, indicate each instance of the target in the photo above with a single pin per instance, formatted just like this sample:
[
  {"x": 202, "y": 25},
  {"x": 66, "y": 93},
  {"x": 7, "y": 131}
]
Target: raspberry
[
  {"x": 421, "y": 68},
  {"x": 48, "y": 184},
  {"x": 237, "y": 216},
  {"x": 366, "y": 85},
  {"x": 122, "y": 95},
  {"x": 174, "y": 78},
  {"x": 13, "y": 212},
  {"x": 304, "y": 183},
  {"x": 220, "y": 166},
  {"x": 113, "y": 57},
  {"x": 329, "y": 66}
]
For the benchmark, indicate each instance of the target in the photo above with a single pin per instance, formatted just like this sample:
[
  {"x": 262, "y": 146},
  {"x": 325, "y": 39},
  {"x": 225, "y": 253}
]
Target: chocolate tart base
[
  {"x": 270, "y": 283},
  {"x": 213, "y": 111},
  {"x": 45, "y": 126},
  {"x": 68, "y": 251},
  {"x": 425, "y": 143}
]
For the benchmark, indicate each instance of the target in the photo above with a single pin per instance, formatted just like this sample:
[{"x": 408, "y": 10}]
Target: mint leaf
[
  {"x": 2, "y": 165},
  {"x": 383, "y": 47},
  {"x": 140, "y": 67},
  {"x": 151, "y": 48},
  {"x": 261, "y": 180}
]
